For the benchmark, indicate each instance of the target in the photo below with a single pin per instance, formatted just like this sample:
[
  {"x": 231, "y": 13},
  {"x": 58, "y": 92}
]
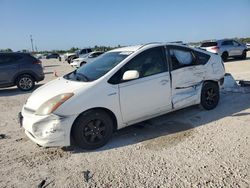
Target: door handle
[{"x": 164, "y": 82}]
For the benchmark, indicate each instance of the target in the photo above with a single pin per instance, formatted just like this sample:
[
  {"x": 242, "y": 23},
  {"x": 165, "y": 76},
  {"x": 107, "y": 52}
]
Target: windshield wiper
[{"x": 82, "y": 76}]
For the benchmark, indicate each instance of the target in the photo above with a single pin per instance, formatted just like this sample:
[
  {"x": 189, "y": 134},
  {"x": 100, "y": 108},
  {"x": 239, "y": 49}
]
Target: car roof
[
  {"x": 127, "y": 49},
  {"x": 148, "y": 45},
  {"x": 220, "y": 40},
  {"x": 16, "y": 53}
]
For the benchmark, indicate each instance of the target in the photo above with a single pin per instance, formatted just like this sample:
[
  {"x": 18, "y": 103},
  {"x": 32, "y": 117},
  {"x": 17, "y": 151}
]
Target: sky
[{"x": 62, "y": 24}]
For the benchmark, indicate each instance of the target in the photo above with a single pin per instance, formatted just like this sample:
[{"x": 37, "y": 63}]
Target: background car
[
  {"x": 248, "y": 46},
  {"x": 53, "y": 56},
  {"x": 76, "y": 63},
  {"x": 20, "y": 69},
  {"x": 226, "y": 48},
  {"x": 70, "y": 56}
]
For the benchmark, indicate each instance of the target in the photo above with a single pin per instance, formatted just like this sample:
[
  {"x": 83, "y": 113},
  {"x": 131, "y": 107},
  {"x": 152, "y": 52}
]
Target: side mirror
[{"x": 130, "y": 75}]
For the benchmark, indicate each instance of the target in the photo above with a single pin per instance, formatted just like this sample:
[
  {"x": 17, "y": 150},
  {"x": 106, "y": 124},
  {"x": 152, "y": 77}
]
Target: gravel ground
[{"x": 187, "y": 148}]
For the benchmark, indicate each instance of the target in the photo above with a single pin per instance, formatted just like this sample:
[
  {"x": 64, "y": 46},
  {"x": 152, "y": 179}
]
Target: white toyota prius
[{"x": 120, "y": 88}]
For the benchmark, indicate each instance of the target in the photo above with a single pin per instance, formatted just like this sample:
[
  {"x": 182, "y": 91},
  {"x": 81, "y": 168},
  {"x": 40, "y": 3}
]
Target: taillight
[
  {"x": 37, "y": 62},
  {"x": 216, "y": 48}
]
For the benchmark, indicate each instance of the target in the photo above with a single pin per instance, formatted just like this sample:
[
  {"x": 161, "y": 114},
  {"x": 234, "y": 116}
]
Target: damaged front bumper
[{"x": 47, "y": 131}]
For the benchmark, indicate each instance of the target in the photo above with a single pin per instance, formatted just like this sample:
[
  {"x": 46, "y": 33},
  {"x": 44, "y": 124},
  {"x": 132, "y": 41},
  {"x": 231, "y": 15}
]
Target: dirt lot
[{"x": 187, "y": 148}]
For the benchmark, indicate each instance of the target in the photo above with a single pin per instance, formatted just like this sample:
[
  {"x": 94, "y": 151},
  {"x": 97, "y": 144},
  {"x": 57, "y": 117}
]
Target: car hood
[{"x": 52, "y": 89}]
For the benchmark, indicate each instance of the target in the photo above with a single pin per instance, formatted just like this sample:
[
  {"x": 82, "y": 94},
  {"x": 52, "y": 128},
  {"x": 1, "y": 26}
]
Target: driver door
[{"x": 150, "y": 94}]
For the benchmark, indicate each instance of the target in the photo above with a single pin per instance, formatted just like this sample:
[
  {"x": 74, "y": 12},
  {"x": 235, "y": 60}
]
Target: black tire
[
  {"x": 92, "y": 129},
  {"x": 25, "y": 82},
  {"x": 69, "y": 60},
  {"x": 210, "y": 95},
  {"x": 224, "y": 56},
  {"x": 244, "y": 55}
]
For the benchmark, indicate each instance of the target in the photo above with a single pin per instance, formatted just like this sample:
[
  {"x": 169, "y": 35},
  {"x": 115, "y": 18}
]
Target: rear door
[
  {"x": 9, "y": 67},
  {"x": 187, "y": 72},
  {"x": 238, "y": 48},
  {"x": 228, "y": 46}
]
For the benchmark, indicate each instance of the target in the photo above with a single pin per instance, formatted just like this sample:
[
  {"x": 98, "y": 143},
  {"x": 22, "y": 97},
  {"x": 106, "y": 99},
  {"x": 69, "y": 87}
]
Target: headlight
[{"x": 52, "y": 104}]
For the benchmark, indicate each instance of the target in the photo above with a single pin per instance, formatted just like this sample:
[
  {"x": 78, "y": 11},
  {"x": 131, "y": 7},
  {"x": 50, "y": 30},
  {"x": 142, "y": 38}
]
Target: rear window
[{"x": 208, "y": 44}]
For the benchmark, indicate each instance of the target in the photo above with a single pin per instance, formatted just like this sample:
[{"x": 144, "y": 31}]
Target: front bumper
[{"x": 48, "y": 131}]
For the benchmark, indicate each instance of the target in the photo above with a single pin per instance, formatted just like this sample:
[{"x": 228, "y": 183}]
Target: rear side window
[
  {"x": 201, "y": 58},
  {"x": 208, "y": 44},
  {"x": 181, "y": 57},
  {"x": 235, "y": 43},
  {"x": 9, "y": 58},
  {"x": 95, "y": 54},
  {"x": 227, "y": 43}
]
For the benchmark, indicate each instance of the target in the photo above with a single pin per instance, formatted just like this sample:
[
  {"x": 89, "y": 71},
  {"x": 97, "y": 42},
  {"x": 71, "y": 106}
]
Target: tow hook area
[{"x": 20, "y": 119}]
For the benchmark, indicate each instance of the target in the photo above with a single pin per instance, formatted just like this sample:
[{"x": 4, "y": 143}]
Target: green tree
[{"x": 6, "y": 50}]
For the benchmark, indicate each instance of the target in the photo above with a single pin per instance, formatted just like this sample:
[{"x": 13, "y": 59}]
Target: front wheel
[
  {"x": 92, "y": 129},
  {"x": 210, "y": 95},
  {"x": 224, "y": 56},
  {"x": 244, "y": 55}
]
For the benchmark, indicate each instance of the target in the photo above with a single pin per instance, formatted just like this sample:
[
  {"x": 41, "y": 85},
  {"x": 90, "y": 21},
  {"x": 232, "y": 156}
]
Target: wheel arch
[
  {"x": 23, "y": 73},
  {"x": 110, "y": 113},
  {"x": 83, "y": 63},
  {"x": 212, "y": 81}
]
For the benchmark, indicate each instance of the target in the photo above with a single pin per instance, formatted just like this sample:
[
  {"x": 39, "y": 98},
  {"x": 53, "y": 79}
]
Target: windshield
[
  {"x": 99, "y": 67},
  {"x": 84, "y": 55}
]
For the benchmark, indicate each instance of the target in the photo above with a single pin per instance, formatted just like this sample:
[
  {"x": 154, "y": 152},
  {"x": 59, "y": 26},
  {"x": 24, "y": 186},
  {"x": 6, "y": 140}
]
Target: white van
[{"x": 121, "y": 87}]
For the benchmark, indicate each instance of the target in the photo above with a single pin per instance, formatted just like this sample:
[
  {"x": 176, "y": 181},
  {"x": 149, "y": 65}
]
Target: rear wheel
[
  {"x": 92, "y": 129},
  {"x": 244, "y": 55},
  {"x": 25, "y": 82},
  {"x": 224, "y": 56},
  {"x": 210, "y": 95}
]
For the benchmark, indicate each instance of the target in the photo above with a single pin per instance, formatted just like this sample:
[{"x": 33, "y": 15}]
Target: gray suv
[
  {"x": 20, "y": 69},
  {"x": 226, "y": 48}
]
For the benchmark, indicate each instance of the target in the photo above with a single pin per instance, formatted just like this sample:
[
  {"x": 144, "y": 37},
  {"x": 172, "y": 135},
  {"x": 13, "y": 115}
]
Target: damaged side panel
[{"x": 186, "y": 85}]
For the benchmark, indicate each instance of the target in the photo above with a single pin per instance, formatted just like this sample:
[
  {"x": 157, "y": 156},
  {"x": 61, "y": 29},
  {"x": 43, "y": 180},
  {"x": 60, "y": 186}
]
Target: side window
[
  {"x": 236, "y": 43},
  {"x": 147, "y": 63},
  {"x": 227, "y": 43},
  {"x": 5, "y": 59},
  {"x": 94, "y": 55},
  {"x": 82, "y": 51},
  {"x": 224, "y": 43},
  {"x": 181, "y": 58},
  {"x": 201, "y": 58}
]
